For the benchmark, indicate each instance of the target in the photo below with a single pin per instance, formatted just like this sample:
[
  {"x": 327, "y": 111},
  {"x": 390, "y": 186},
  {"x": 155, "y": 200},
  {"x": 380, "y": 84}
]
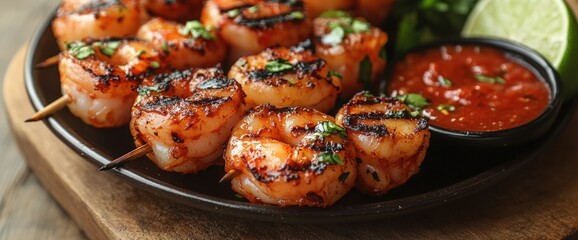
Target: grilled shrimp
[
  {"x": 187, "y": 117},
  {"x": 185, "y": 46},
  {"x": 250, "y": 26},
  {"x": 175, "y": 10},
  {"x": 99, "y": 78},
  {"x": 290, "y": 156},
  {"x": 315, "y": 7},
  {"x": 351, "y": 47},
  {"x": 375, "y": 11},
  {"x": 287, "y": 77},
  {"x": 390, "y": 142},
  {"x": 83, "y": 19}
]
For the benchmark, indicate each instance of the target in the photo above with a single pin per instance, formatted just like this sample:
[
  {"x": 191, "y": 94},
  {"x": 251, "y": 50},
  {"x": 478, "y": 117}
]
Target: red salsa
[{"x": 470, "y": 88}]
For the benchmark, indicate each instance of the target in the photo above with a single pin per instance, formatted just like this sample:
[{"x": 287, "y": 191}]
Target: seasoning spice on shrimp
[{"x": 290, "y": 156}]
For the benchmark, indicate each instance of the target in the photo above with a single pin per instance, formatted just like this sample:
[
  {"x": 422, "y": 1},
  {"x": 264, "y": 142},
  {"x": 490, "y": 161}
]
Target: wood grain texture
[
  {"x": 27, "y": 211},
  {"x": 538, "y": 202}
]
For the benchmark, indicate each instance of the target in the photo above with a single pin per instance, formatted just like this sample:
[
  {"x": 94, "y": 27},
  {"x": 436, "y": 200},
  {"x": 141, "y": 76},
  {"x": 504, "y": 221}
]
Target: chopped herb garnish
[
  {"x": 414, "y": 100},
  {"x": 326, "y": 128},
  {"x": 155, "y": 64},
  {"x": 278, "y": 65},
  {"x": 334, "y": 14},
  {"x": 365, "y": 72},
  {"x": 343, "y": 177},
  {"x": 334, "y": 37},
  {"x": 330, "y": 158},
  {"x": 109, "y": 48},
  {"x": 339, "y": 28},
  {"x": 360, "y": 26},
  {"x": 444, "y": 82},
  {"x": 80, "y": 50},
  {"x": 165, "y": 46},
  {"x": 487, "y": 79},
  {"x": 233, "y": 13},
  {"x": 367, "y": 94},
  {"x": 196, "y": 30},
  {"x": 239, "y": 196},
  {"x": 253, "y": 9},
  {"x": 446, "y": 107},
  {"x": 297, "y": 15},
  {"x": 334, "y": 73}
]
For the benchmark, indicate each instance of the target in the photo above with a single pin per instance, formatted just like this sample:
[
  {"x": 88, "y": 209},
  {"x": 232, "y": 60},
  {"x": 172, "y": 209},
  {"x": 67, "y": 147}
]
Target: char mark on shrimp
[
  {"x": 352, "y": 122},
  {"x": 298, "y": 131},
  {"x": 216, "y": 83},
  {"x": 327, "y": 146},
  {"x": 104, "y": 80},
  {"x": 300, "y": 69},
  {"x": 267, "y": 22}
]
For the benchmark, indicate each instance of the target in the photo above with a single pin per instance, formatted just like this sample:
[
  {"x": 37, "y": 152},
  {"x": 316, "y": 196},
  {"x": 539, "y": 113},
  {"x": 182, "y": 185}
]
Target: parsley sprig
[
  {"x": 278, "y": 65},
  {"x": 327, "y": 128},
  {"x": 488, "y": 79},
  {"x": 80, "y": 50},
  {"x": 196, "y": 30},
  {"x": 414, "y": 100},
  {"x": 330, "y": 157},
  {"x": 344, "y": 25}
]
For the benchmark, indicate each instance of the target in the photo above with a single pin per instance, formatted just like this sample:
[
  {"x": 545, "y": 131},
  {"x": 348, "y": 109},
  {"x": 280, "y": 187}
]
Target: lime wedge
[{"x": 546, "y": 26}]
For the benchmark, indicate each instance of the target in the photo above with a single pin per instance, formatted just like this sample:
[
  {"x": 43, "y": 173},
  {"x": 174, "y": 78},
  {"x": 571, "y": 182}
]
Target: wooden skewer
[
  {"x": 50, "y": 109},
  {"x": 134, "y": 154},
  {"x": 49, "y": 61},
  {"x": 230, "y": 175}
]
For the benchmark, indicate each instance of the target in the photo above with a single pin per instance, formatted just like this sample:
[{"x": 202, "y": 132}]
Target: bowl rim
[{"x": 519, "y": 53}]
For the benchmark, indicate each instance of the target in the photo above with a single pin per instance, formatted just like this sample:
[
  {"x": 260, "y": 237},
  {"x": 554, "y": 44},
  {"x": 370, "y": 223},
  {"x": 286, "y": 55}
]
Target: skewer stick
[
  {"x": 49, "y": 61},
  {"x": 60, "y": 103},
  {"x": 229, "y": 175},
  {"x": 134, "y": 154}
]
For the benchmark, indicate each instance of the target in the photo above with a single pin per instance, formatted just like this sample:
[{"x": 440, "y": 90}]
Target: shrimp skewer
[
  {"x": 251, "y": 26},
  {"x": 99, "y": 78},
  {"x": 287, "y": 77},
  {"x": 186, "y": 117},
  {"x": 185, "y": 46},
  {"x": 290, "y": 156},
  {"x": 351, "y": 47},
  {"x": 83, "y": 19},
  {"x": 390, "y": 141}
]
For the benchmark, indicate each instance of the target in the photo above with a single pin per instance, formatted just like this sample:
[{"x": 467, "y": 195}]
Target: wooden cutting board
[{"x": 539, "y": 201}]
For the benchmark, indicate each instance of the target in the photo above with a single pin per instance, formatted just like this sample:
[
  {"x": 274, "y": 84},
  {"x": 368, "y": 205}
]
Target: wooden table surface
[{"x": 27, "y": 211}]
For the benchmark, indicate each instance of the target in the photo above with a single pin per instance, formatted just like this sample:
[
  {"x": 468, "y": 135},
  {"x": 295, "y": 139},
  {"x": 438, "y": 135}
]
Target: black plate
[{"x": 446, "y": 174}]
